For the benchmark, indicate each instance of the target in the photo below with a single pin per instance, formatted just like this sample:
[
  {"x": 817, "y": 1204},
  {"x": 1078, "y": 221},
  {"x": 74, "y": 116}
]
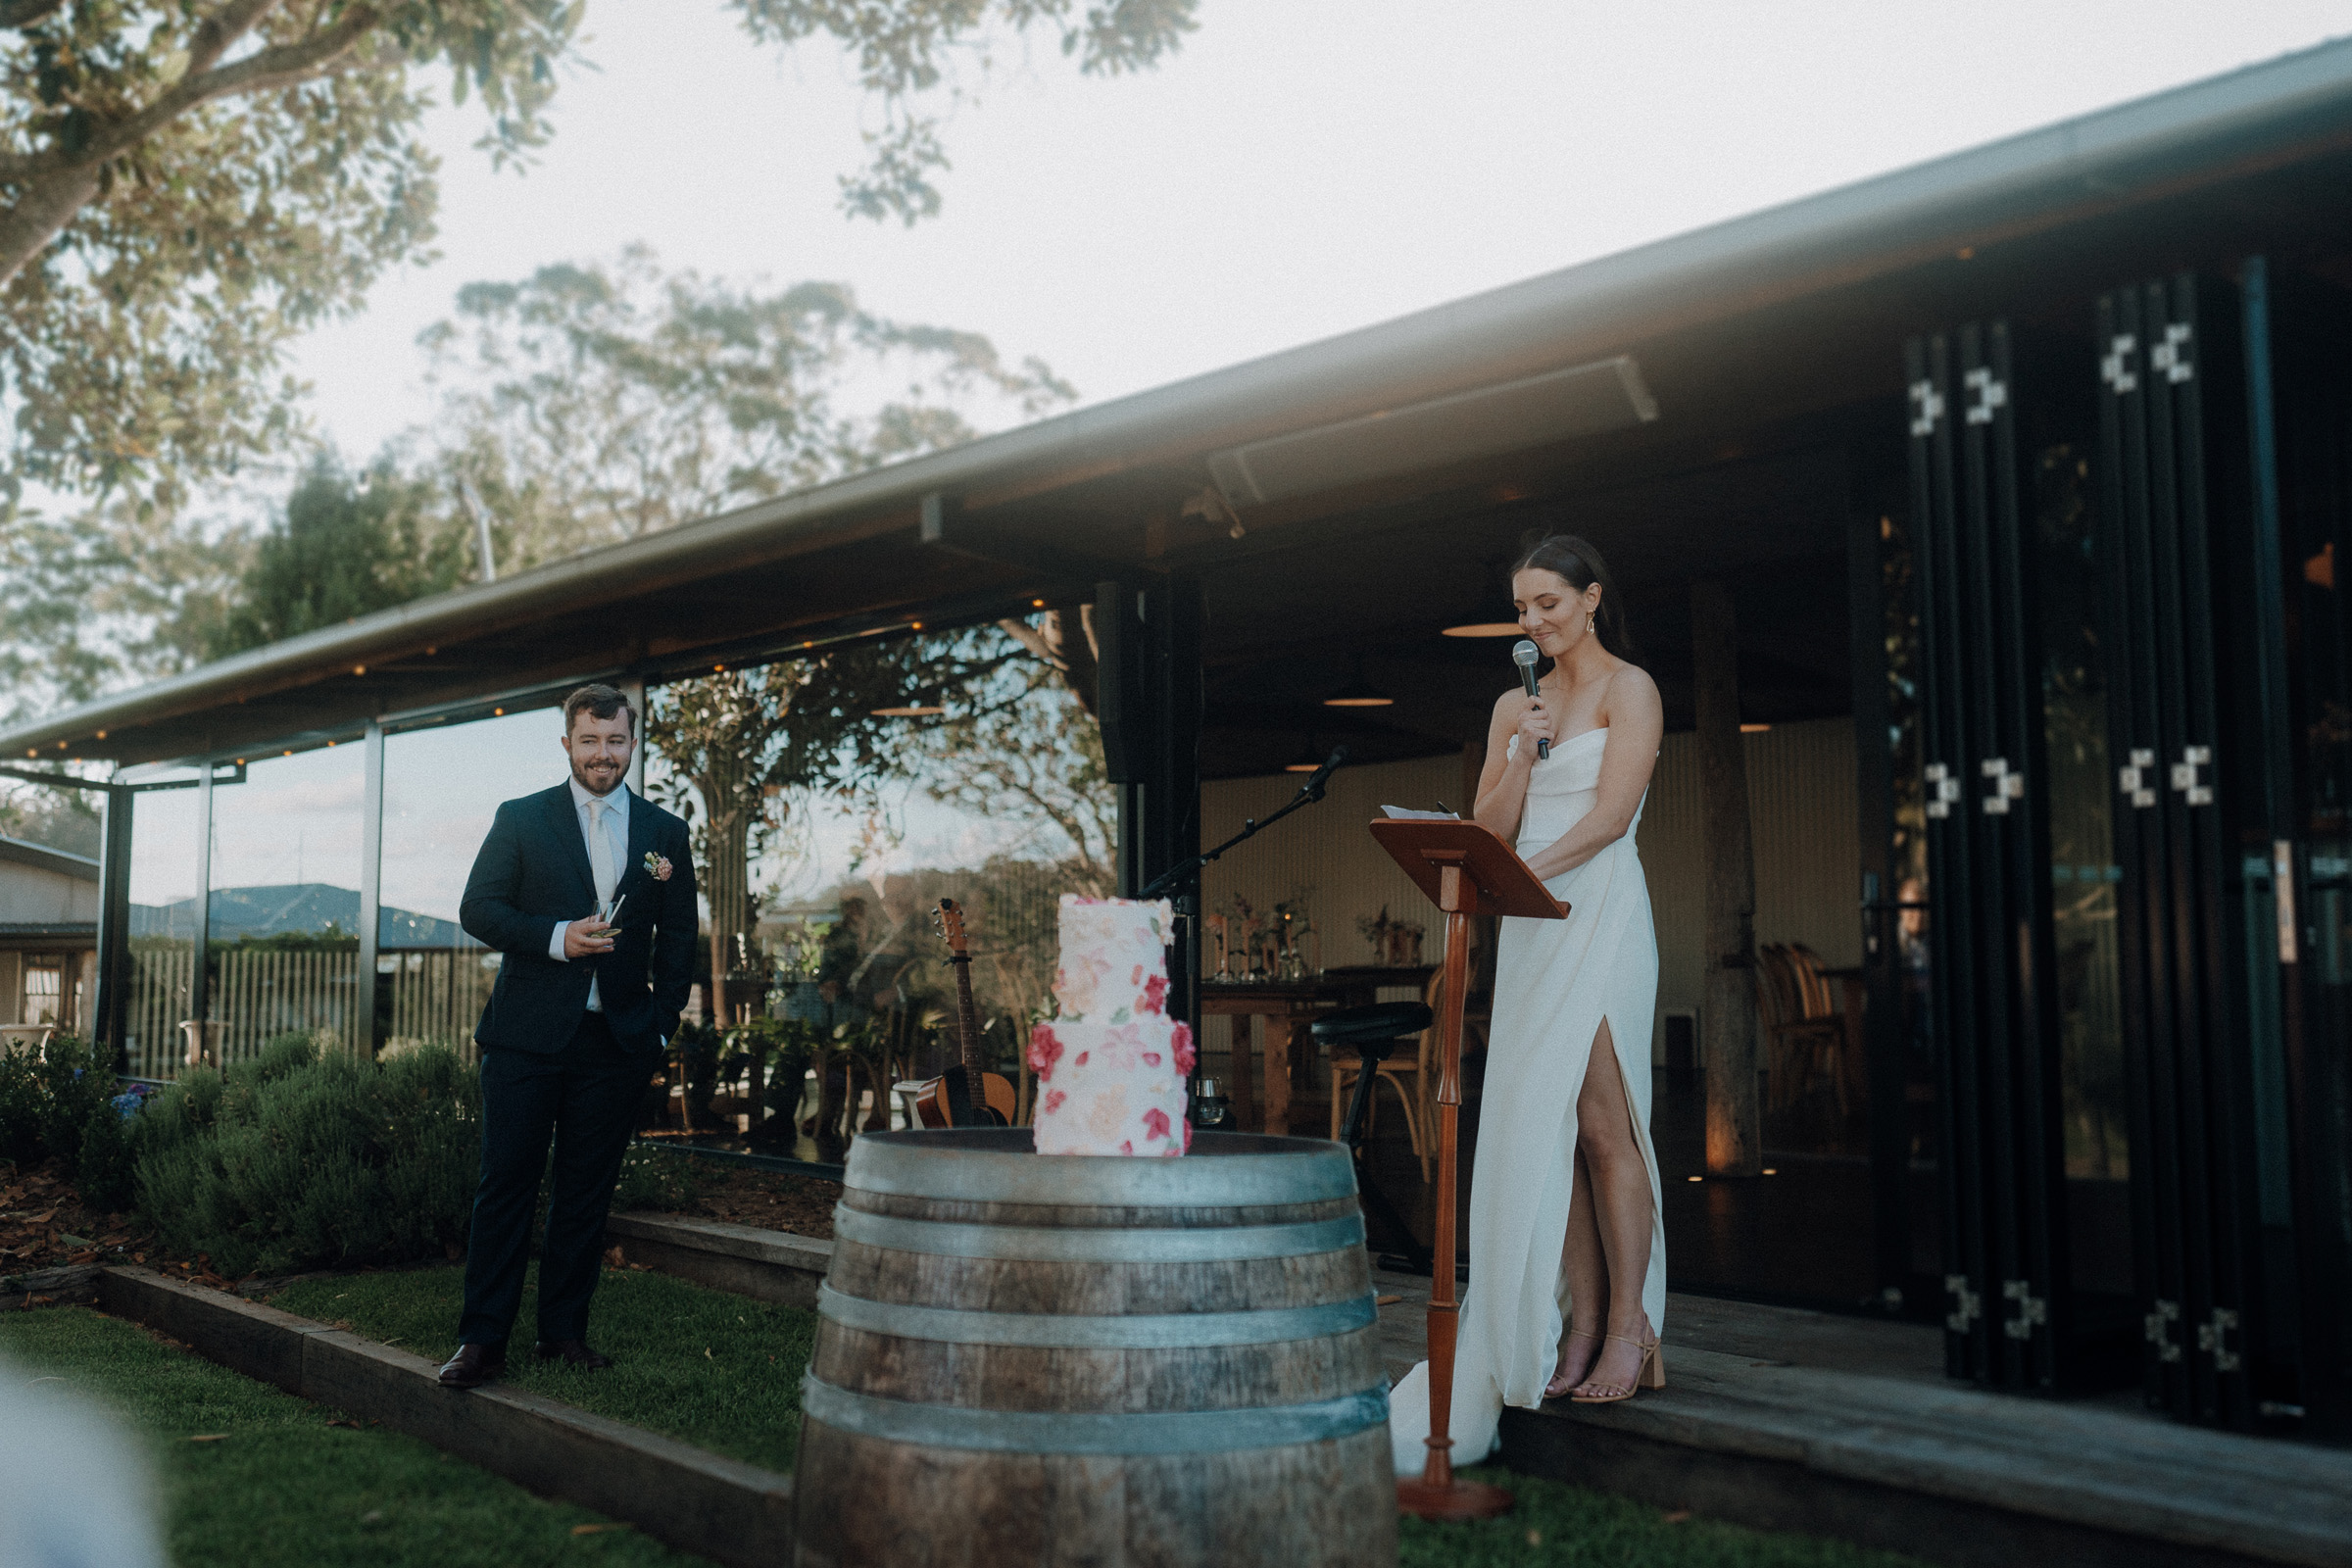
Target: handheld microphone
[
  {"x": 1331, "y": 766},
  {"x": 1524, "y": 653}
]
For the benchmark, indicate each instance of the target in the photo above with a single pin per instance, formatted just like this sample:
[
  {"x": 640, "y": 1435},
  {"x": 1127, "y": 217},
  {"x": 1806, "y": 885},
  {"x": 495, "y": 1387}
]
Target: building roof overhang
[
  {"x": 1042, "y": 511},
  {"x": 65, "y": 862}
]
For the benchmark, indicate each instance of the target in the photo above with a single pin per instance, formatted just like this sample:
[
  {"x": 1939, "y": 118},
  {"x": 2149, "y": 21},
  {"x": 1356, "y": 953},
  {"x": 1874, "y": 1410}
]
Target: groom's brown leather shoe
[
  {"x": 574, "y": 1352},
  {"x": 473, "y": 1365}
]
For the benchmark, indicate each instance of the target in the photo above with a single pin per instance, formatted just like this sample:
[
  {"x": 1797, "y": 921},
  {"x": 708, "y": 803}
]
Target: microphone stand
[{"x": 1182, "y": 882}]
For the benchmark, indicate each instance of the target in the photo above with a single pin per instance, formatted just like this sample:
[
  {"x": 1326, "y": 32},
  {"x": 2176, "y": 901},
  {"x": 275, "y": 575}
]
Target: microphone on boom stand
[
  {"x": 1331, "y": 764},
  {"x": 1524, "y": 653}
]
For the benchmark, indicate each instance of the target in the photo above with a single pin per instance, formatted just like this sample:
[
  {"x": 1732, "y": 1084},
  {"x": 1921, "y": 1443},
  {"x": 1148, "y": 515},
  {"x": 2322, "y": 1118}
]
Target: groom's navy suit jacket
[{"x": 531, "y": 876}]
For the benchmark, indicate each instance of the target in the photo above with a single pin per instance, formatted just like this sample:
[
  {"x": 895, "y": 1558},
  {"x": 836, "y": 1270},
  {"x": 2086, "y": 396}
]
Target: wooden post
[{"x": 1727, "y": 1055}]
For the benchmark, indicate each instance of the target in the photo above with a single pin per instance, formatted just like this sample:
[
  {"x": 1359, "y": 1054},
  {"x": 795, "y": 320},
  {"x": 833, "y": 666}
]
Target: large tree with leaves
[
  {"x": 596, "y": 401},
  {"x": 345, "y": 547},
  {"x": 187, "y": 184},
  {"x": 114, "y": 592}
]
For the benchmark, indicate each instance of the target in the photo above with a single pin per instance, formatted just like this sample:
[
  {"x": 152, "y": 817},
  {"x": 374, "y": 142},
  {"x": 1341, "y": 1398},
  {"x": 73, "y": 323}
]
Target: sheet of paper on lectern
[{"x": 1406, "y": 813}]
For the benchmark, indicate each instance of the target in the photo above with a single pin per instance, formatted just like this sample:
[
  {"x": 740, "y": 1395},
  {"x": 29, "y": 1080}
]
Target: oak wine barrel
[{"x": 1045, "y": 1359}]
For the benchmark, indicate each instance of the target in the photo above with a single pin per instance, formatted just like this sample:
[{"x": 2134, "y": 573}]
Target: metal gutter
[{"x": 2254, "y": 118}]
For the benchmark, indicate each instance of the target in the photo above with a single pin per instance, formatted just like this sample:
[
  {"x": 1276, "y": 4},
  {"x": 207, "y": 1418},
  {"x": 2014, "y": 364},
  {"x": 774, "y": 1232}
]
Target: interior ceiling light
[
  {"x": 908, "y": 712},
  {"x": 1753, "y": 729},
  {"x": 1308, "y": 760},
  {"x": 1358, "y": 693},
  {"x": 1485, "y": 628}
]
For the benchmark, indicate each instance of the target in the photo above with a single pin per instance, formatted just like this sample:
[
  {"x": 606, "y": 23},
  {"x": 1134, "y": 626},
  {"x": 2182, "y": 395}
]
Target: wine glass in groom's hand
[{"x": 593, "y": 934}]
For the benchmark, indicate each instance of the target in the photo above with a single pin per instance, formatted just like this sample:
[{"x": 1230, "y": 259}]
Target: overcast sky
[{"x": 1300, "y": 168}]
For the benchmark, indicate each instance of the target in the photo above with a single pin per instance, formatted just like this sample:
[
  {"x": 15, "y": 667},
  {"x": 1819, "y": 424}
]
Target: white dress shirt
[{"x": 617, "y": 832}]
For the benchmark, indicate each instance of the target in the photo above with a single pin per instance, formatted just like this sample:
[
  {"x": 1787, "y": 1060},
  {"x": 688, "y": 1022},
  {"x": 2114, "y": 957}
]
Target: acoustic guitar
[{"x": 948, "y": 1099}]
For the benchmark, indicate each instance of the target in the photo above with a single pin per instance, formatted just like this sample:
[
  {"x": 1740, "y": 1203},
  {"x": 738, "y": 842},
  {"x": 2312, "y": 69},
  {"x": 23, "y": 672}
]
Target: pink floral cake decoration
[{"x": 1112, "y": 1067}]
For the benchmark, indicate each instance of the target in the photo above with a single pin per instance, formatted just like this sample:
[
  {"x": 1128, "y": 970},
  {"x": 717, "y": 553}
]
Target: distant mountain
[{"x": 294, "y": 906}]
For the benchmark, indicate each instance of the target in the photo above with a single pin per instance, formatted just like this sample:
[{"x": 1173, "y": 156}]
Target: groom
[{"x": 574, "y": 1025}]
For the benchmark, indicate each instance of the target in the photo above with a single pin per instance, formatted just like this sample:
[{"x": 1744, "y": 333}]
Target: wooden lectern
[{"x": 1465, "y": 869}]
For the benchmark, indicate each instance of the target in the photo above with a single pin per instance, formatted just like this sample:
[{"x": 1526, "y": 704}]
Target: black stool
[{"x": 1372, "y": 1033}]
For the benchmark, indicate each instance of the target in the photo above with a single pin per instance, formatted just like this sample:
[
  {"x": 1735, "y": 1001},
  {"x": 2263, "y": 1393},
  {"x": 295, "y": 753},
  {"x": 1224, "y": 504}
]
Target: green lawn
[
  {"x": 716, "y": 1370},
  {"x": 1557, "y": 1524},
  {"x": 284, "y": 1481},
  {"x": 292, "y": 1484},
  {"x": 725, "y": 1372}
]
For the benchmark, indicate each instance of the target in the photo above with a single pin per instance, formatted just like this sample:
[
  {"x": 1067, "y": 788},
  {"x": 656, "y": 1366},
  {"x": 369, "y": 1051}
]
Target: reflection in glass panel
[
  {"x": 163, "y": 929},
  {"x": 2084, "y": 875},
  {"x": 1906, "y": 921},
  {"x": 442, "y": 785},
  {"x": 283, "y": 946}
]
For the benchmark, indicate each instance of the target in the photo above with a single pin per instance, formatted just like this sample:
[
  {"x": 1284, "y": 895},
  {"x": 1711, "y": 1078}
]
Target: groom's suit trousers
[{"x": 583, "y": 1097}]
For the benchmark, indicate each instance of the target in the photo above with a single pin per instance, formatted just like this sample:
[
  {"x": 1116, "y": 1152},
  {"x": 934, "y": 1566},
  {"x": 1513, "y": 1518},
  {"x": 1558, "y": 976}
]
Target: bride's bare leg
[
  {"x": 1587, "y": 1287},
  {"x": 1623, "y": 1213}
]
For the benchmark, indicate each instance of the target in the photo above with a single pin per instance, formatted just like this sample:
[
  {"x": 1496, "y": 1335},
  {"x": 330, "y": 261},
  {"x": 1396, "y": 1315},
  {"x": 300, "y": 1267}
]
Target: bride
[{"x": 1565, "y": 1227}]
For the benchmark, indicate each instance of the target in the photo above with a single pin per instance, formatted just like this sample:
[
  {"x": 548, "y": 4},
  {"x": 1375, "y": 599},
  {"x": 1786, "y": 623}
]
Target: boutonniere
[{"x": 656, "y": 866}]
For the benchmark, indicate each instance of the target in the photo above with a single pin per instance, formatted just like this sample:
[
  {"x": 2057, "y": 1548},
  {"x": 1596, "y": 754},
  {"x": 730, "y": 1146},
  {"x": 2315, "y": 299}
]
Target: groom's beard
[{"x": 600, "y": 776}]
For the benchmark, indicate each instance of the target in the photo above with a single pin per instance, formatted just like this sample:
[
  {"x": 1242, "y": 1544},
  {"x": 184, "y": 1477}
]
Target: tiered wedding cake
[{"x": 1111, "y": 1070}]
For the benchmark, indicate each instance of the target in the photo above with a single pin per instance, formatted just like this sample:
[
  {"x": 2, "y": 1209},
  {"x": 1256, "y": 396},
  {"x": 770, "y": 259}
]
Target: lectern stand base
[{"x": 1452, "y": 1503}]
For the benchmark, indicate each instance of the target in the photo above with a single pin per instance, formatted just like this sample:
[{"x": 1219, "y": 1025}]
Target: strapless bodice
[
  {"x": 1573, "y": 767},
  {"x": 1561, "y": 788}
]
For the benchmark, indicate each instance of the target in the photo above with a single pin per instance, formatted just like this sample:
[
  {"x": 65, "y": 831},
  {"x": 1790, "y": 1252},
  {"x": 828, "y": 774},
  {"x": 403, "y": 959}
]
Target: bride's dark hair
[{"x": 1576, "y": 562}]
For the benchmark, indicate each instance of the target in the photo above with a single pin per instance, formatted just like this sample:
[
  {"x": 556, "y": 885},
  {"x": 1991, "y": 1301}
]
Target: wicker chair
[{"x": 1797, "y": 1045}]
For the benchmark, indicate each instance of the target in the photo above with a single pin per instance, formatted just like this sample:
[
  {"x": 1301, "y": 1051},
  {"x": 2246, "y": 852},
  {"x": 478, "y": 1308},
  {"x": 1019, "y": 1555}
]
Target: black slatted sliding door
[
  {"x": 2190, "y": 720},
  {"x": 1992, "y": 998}
]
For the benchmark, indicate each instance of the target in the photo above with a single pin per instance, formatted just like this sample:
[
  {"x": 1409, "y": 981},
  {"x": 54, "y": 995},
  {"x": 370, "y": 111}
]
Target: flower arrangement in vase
[{"x": 1291, "y": 959}]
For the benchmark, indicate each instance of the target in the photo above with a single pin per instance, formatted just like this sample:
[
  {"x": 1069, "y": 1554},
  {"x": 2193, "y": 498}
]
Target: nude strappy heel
[
  {"x": 1557, "y": 1388},
  {"x": 1652, "y": 1374}
]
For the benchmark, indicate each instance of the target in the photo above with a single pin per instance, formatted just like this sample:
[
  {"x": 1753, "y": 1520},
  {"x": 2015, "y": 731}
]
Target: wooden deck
[{"x": 1847, "y": 1427}]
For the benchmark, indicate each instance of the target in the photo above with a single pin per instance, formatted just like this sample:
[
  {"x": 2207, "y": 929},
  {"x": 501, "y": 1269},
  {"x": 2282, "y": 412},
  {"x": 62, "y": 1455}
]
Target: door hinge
[
  {"x": 2116, "y": 367},
  {"x": 2184, "y": 774},
  {"x": 2171, "y": 356},
  {"x": 2006, "y": 787},
  {"x": 2212, "y": 1340},
  {"x": 1966, "y": 1304},
  {"x": 1926, "y": 406},
  {"x": 2158, "y": 1327},
  {"x": 2133, "y": 782},
  {"x": 1985, "y": 395},
  {"x": 1943, "y": 790},
  {"x": 2032, "y": 1311}
]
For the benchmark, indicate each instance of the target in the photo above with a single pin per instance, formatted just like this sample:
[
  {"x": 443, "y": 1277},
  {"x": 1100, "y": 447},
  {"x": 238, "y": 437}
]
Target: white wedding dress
[{"x": 1555, "y": 982}]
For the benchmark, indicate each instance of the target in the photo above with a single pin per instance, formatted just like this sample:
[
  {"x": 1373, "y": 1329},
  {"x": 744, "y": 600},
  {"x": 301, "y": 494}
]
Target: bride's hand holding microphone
[{"x": 1537, "y": 733}]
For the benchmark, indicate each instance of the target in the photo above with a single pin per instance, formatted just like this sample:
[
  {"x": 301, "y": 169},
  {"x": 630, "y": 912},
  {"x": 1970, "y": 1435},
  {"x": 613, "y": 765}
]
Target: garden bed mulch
[
  {"x": 52, "y": 1242},
  {"x": 772, "y": 1200}
]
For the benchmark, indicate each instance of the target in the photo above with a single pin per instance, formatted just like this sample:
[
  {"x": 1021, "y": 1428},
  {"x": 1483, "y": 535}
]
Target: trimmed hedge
[{"x": 297, "y": 1161}]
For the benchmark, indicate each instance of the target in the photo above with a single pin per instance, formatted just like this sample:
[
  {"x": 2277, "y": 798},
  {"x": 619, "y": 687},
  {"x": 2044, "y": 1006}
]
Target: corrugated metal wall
[
  {"x": 1324, "y": 852},
  {"x": 1801, "y": 813},
  {"x": 1801, "y": 807}
]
